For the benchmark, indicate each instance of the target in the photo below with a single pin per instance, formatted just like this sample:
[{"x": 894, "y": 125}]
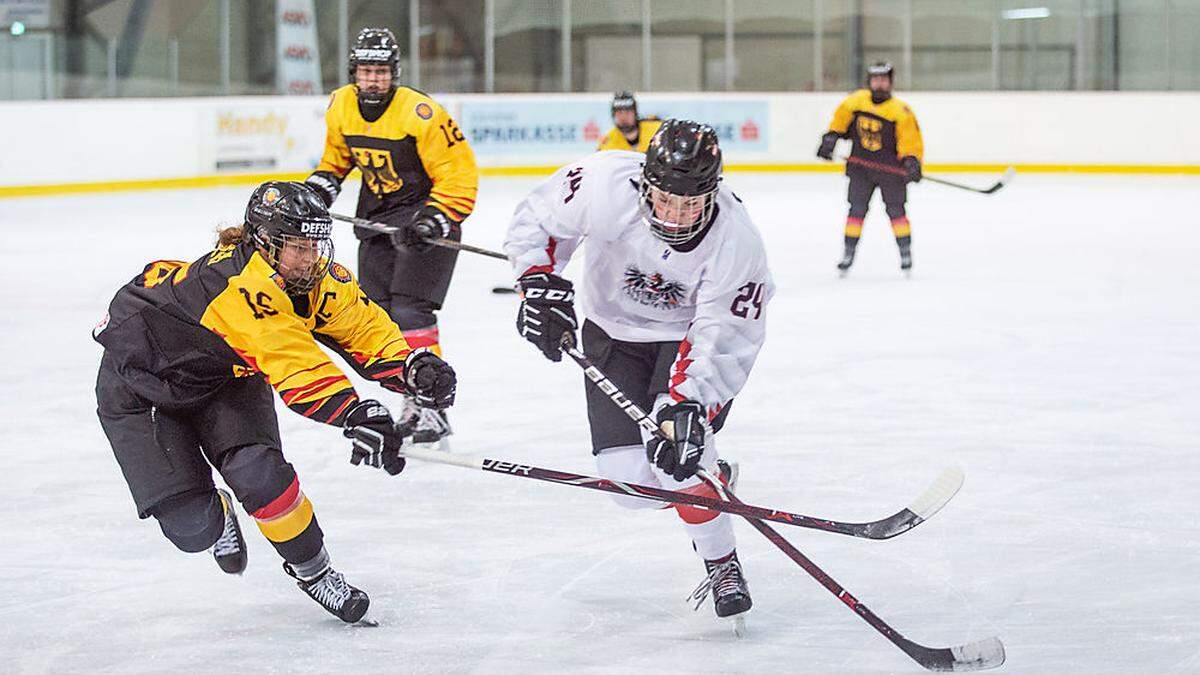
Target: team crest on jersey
[
  {"x": 423, "y": 110},
  {"x": 340, "y": 273},
  {"x": 653, "y": 289}
]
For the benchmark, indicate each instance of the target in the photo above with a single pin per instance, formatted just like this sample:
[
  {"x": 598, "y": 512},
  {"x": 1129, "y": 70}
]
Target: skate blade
[
  {"x": 738, "y": 623},
  {"x": 365, "y": 622}
]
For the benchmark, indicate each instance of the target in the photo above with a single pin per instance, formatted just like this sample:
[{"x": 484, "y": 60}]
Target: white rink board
[
  {"x": 153, "y": 139},
  {"x": 1049, "y": 344}
]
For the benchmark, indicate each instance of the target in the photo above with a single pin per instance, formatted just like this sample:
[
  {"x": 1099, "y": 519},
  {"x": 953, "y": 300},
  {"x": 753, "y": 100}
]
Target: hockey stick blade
[
  {"x": 1008, "y": 176},
  {"x": 982, "y": 655},
  {"x": 922, "y": 508}
]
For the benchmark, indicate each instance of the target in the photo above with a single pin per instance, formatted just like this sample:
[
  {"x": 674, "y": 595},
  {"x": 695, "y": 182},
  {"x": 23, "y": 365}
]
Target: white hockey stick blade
[
  {"x": 941, "y": 491},
  {"x": 982, "y": 655}
]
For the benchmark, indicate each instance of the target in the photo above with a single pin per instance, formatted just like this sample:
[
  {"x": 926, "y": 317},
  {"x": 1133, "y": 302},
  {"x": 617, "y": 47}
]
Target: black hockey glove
[
  {"x": 376, "y": 437},
  {"x": 326, "y": 185},
  {"x": 427, "y": 224},
  {"x": 912, "y": 165},
  {"x": 430, "y": 380},
  {"x": 547, "y": 312},
  {"x": 679, "y": 456},
  {"x": 829, "y": 140}
]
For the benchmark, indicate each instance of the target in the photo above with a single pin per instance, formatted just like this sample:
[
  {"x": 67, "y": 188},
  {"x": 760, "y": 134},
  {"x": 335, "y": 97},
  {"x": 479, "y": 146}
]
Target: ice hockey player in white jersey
[{"x": 675, "y": 292}]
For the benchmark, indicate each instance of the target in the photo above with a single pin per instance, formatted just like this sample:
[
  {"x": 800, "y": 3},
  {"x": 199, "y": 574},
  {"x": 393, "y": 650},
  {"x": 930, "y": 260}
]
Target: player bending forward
[
  {"x": 189, "y": 349},
  {"x": 676, "y": 288}
]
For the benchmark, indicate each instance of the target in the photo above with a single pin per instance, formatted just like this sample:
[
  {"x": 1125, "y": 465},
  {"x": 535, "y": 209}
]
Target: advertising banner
[
  {"x": 298, "y": 62},
  {"x": 261, "y": 138}
]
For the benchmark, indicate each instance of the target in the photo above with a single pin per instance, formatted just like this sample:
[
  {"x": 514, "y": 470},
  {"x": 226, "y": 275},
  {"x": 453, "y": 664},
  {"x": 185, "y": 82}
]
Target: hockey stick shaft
[
  {"x": 898, "y": 171},
  {"x": 658, "y": 494},
  {"x": 384, "y": 228},
  {"x": 977, "y": 656}
]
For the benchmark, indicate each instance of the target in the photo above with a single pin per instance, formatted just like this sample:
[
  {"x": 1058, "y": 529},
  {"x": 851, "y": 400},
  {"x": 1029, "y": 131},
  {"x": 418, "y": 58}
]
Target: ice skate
[
  {"x": 430, "y": 427},
  {"x": 847, "y": 260},
  {"x": 731, "y": 593},
  {"x": 906, "y": 260},
  {"x": 230, "y": 549},
  {"x": 330, "y": 590}
]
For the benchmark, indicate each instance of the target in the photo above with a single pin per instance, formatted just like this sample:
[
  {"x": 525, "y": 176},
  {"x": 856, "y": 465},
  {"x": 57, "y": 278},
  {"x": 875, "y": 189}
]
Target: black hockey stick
[
  {"x": 932, "y": 499},
  {"x": 981, "y": 655},
  {"x": 440, "y": 241},
  {"x": 895, "y": 170}
]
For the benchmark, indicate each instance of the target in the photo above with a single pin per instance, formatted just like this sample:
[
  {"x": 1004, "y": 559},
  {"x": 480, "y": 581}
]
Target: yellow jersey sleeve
[
  {"x": 336, "y": 158},
  {"x": 908, "y": 136},
  {"x": 255, "y": 318},
  {"x": 364, "y": 333},
  {"x": 614, "y": 140},
  {"x": 844, "y": 115},
  {"x": 448, "y": 160}
]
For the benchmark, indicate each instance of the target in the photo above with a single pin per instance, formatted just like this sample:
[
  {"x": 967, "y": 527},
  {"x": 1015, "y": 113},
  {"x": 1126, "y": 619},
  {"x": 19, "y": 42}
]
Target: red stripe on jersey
[
  {"x": 681, "y": 365},
  {"x": 291, "y": 395},
  {"x": 281, "y": 504},
  {"x": 335, "y": 418},
  {"x": 421, "y": 337}
]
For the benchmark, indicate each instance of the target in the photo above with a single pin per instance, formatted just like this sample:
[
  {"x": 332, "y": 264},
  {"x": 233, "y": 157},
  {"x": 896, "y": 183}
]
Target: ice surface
[{"x": 1048, "y": 343}]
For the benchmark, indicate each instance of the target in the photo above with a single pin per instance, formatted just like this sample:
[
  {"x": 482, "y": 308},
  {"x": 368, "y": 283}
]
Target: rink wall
[{"x": 55, "y": 147}]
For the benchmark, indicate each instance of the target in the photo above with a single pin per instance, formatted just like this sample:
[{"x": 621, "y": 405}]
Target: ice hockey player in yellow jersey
[
  {"x": 192, "y": 351},
  {"x": 419, "y": 174},
  {"x": 883, "y": 130},
  {"x": 629, "y": 132}
]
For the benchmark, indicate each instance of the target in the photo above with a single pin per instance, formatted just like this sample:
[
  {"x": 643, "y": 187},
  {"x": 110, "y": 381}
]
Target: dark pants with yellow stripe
[
  {"x": 894, "y": 189},
  {"x": 166, "y": 457}
]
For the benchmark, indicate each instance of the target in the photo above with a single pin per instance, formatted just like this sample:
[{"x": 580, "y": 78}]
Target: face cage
[
  {"x": 673, "y": 232},
  {"x": 371, "y": 98},
  {"x": 271, "y": 248}
]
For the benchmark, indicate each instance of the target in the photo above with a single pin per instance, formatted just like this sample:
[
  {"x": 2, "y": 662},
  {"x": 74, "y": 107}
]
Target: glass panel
[
  {"x": 687, "y": 45},
  {"x": 1038, "y": 45},
  {"x": 452, "y": 47},
  {"x": 1185, "y": 46},
  {"x": 773, "y": 45},
  {"x": 606, "y": 45},
  {"x": 529, "y": 45},
  {"x": 841, "y": 46},
  {"x": 952, "y": 45}
]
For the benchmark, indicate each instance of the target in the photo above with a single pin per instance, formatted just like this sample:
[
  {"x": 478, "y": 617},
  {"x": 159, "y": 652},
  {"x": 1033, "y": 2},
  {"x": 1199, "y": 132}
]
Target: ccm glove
[
  {"x": 685, "y": 426},
  {"x": 830, "y": 139},
  {"x": 547, "y": 312},
  {"x": 912, "y": 165},
  {"x": 430, "y": 380},
  {"x": 427, "y": 224},
  {"x": 326, "y": 185},
  {"x": 376, "y": 437}
]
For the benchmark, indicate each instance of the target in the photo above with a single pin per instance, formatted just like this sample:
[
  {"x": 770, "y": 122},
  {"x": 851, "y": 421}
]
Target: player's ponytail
[{"x": 230, "y": 236}]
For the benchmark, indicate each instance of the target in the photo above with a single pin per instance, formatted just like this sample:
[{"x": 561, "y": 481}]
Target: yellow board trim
[
  {"x": 289, "y": 525},
  {"x": 234, "y": 179}
]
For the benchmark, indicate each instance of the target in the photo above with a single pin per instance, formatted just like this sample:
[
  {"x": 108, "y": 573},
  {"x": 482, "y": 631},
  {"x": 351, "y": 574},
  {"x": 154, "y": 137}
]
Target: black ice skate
[
  {"x": 330, "y": 590},
  {"x": 731, "y": 594},
  {"x": 230, "y": 549},
  {"x": 430, "y": 427},
  {"x": 847, "y": 259},
  {"x": 905, "y": 260}
]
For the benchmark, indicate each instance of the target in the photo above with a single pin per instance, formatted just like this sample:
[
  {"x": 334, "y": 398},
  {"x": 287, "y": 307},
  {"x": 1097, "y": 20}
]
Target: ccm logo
[
  {"x": 550, "y": 294},
  {"x": 506, "y": 467}
]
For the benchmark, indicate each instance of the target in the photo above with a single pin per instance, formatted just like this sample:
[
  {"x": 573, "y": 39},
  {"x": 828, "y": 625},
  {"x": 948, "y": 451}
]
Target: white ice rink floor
[{"x": 1048, "y": 343}]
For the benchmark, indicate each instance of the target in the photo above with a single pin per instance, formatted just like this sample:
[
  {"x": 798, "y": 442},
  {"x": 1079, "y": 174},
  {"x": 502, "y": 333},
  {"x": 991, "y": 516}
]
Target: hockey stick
[
  {"x": 928, "y": 503},
  {"x": 895, "y": 170},
  {"x": 921, "y": 509},
  {"x": 980, "y": 655},
  {"x": 440, "y": 241}
]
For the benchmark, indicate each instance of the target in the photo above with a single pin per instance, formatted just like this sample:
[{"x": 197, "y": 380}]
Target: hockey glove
[
  {"x": 829, "y": 140},
  {"x": 685, "y": 425},
  {"x": 427, "y": 224},
  {"x": 376, "y": 437},
  {"x": 429, "y": 379},
  {"x": 326, "y": 185},
  {"x": 913, "y": 166},
  {"x": 547, "y": 312}
]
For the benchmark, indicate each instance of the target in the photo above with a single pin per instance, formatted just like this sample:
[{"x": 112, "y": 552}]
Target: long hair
[{"x": 228, "y": 236}]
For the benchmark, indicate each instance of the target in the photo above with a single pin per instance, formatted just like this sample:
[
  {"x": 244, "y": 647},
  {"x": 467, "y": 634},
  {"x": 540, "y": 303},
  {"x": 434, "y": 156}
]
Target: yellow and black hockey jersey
[
  {"x": 414, "y": 153},
  {"x": 179, "y": 330},
  {"x": 615, "y": 140},
  {"x": 883, "y": 132}
]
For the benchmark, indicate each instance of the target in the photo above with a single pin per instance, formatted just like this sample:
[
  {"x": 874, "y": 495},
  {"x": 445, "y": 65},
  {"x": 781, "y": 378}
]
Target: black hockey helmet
[
  {"x": 679, "y": 180},
  {"x": 291, "y": 228},
  {"x": 624, "y": 100},
  {"x": 375, "y": 46}
]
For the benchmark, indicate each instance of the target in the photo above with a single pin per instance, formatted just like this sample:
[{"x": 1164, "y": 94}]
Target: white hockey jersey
[{"x": 712, "y": 299}]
